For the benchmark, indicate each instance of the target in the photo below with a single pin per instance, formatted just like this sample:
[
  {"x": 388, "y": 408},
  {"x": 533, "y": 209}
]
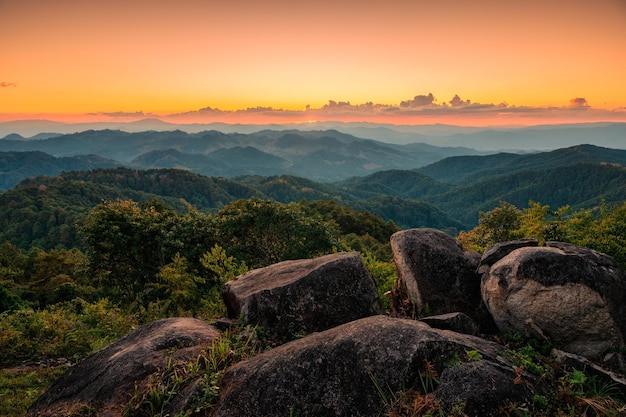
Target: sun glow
[{"x": 115, "y": 57}]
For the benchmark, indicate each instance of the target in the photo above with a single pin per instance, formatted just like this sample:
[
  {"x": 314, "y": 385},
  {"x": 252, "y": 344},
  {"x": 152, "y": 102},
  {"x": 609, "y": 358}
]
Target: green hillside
[
  {"x": 16, "y": 166},
  {"x": 579, "y": 186},
  {"x": 43, "y": 211},
  {"x": 470, "y": 169}
]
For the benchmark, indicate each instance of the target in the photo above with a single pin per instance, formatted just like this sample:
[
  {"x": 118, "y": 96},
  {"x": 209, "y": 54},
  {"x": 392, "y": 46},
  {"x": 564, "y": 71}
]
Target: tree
[
  {"x": 602, "y": 229},
  {"x": 542, "y": 223},
  {"x": 262, "y": 232},
  {"x": 180, "y": 288},
  {"x": 498, "y": 225},
  {"x": 127, "y": 245}
]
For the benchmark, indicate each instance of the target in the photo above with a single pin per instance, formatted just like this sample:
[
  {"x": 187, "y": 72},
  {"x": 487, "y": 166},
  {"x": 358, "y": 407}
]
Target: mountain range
[
  {"x": 484, "y": 139},
  {"x": 392, "y": 181},
  {"x": 327, "y": 155}
]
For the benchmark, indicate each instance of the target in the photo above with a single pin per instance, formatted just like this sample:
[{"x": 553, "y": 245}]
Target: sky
[{"x": 479, "y": 62}]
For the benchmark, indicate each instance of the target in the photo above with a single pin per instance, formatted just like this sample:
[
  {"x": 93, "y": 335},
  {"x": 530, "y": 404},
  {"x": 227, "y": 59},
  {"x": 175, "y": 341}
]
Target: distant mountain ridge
[
  {"x": 485, "y": 138},
  {"x": 320, "y": 155},
  {"x": 16, "y": 166},
  {"x": 210, "y": 169},
  {"x": 36, "y": 210},
  {"x": 469, "y": 169}
]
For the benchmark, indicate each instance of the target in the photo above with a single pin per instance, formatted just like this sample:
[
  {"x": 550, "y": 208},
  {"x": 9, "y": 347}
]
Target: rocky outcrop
[
  {"x": 483, "y": 387},
  {"x": 457, "y": 322},
  {"x": 352, "y": 361},
  {"x": 571, "y": 296},
  {"x": 434, "y": 274},
  {"x": 294, "y": 298},
  {"x": 106, "y": 380},
  {"x": 498, "y": 251},
  {"x": 348, "y": 370}
]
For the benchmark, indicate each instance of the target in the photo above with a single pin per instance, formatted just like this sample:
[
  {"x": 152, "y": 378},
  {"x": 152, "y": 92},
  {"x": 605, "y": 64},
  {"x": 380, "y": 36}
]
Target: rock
[
  {"x": 492, "y": 255},
  {"x": 457, "y": 322},
  {"x": 294, "y": 298},
  {"x": 346, "y": 370},
  {"x": 434, "y": 274},
  {"x": 498, "y": 251},
  {"x": 572, "y": 296},
  {"x": 484, "y": 387},
  {"x": 105, "y": 381}
]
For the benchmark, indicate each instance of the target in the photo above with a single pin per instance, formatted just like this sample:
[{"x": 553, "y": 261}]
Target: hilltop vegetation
[{"x": 144, "y": 262}]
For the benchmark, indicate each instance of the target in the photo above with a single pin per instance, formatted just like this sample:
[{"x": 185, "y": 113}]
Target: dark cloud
[
  {"x": 424, "y": 107},
  {"x": 7, "y": 84},
  {"x": 419, "y": 101},
  {"x": 458, "y": 102},
  {"x": 123, "y": 114},
  {"x": 578, "y": 102}
]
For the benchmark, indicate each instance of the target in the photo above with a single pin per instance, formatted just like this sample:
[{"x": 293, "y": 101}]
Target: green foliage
[
  {"x": 222, "y": 266},
  {"x": 180, "y": 288},
  {"x": 351, "y": 222},
  {"x": 409, "y": 213},
  {"x": 9, "y": 301},
  {"x": 207, "y": 369},
  {"x": 65, "y": 330},
  {"x": 128, "y": 246},
  {"x": 261, "y": 232},
  {"x": 20, "y": 387},
  {"x": 602, "y": 228},
  {"x": 498, "y": 225},
  {"x": 385, "y": 275}
]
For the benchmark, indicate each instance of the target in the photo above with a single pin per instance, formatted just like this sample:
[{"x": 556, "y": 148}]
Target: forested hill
[
  {"x": 44, "y": 210},
  {"x": 470, "y": 169},
  {"x": 16, "y": 166},
  {"x": 579, "y": 185}
]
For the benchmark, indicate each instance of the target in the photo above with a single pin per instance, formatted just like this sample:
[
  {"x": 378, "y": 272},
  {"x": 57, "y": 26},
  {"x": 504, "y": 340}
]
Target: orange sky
[{"x": 523, "y": 61}]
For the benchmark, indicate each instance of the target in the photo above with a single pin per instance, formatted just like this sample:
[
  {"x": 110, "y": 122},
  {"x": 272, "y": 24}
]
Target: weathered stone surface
[
  {"x": 433, "y": 271},
  {"x": 484, "y": 387},
  {"x": 457, "y": 322},
  {"x": 303, "y": 296},
  {"x": 498, "y": 251},
  {"x": 572, "y": 296},
  {"x": 338, "y": 372},
  {"x": 106, "y": 380}
]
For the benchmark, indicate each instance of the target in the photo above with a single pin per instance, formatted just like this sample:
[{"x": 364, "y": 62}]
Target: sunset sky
[{"x": 518, "y": 62}]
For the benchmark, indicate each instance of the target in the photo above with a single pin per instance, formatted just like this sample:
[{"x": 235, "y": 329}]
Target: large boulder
[
  {"x": 294, "y": 298},
  {"x": 105, "y": 381},
  {"x": 572, "y": 296},
  {"x": 435, "y": 275},
  {"x": 498, "y": 251},
  {"x": 350, "y": 370},
  {"x": 483, "y": 387}
]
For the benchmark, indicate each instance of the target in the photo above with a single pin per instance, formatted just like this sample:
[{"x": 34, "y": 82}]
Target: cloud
[
  {"x": 7, "y": 84},
  {"x": 419, "y": 101},
  {"x": 123, "y": 114},
  {"x": 458, "y": 102},
  {"x": 578, "y": 102},
  {"x": 422, "y": 108}
]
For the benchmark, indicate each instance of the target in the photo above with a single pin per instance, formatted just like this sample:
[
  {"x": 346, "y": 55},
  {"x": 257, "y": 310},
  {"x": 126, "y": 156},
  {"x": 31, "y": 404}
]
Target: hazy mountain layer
[{"x": 319, "y": 155}]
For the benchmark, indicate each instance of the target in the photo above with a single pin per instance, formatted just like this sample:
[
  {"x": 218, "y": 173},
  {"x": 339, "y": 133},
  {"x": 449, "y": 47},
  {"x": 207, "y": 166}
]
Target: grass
[
  {"x": 20, "y": 387},
  {"x": 208, "y": 368}
]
